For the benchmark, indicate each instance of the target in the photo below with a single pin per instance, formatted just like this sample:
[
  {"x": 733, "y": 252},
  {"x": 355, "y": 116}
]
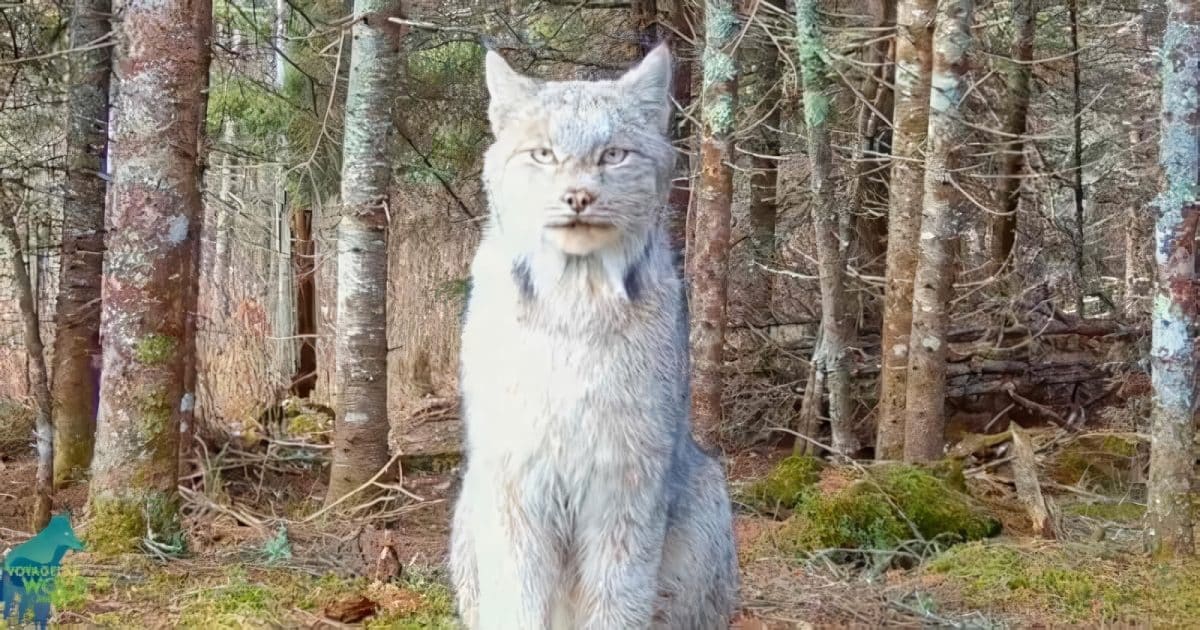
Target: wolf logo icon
[{"x": 30, "y": 569}]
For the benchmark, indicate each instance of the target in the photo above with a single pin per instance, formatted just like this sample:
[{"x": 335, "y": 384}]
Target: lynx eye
[
  {"x": 543, "y": 156},
  {"x": 613, "y": 156}
]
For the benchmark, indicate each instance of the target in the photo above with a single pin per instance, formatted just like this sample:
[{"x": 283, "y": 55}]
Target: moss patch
[
  {"x": 1074, "y": 587},
  {"x": 788, "y": 484},
  {"x": 118, "y": 525},
  {"x": 314, "y": 427},
  {"x": 207, "y": 595},
  {"x": 154, "y": 349},
  {"x": 115, "y": 526},
  {"x": 884, "y": 508}
]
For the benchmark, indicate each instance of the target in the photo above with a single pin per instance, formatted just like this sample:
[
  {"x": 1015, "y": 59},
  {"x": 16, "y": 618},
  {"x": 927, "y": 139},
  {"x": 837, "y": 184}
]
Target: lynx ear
[
  {"x": 649, "y": 85},
  {"x": 506, "y": 87}
]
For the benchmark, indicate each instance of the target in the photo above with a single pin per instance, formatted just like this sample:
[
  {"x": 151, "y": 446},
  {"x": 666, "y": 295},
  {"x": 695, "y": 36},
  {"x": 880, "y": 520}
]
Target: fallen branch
[{"x": 1029, "y": 491}]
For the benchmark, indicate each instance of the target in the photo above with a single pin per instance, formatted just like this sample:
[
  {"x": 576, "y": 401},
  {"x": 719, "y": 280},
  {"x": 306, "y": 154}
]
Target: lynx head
[{"x": 580, "y": 166}]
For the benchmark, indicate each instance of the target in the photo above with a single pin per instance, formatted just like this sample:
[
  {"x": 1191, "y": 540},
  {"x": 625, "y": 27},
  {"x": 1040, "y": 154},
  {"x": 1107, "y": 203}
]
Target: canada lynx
[{"x": 585, "y": 502}]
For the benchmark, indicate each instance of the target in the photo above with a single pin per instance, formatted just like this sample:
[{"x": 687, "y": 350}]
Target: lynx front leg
[
  {"x": 463, "y": 569},
  {"x": 515, "y": 561},
  {"x": 620, "y": 555}
]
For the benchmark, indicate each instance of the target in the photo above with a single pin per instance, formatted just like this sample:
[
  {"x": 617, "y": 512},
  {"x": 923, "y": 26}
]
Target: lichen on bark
[
  {"x": 150, "y": 272},
  {"x": 1173, "y": 342},
  {"x": 360, "y": 446},
  {"x": 830, "y": 359},
  {"x": 708, "y": 256}
]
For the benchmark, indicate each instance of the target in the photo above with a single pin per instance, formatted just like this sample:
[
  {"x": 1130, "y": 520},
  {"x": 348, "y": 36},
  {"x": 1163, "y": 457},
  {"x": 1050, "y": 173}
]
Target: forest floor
[{"x": 260, "y": 554}]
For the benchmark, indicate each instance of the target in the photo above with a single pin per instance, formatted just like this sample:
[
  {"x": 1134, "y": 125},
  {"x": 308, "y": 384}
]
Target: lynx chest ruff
[{"x": 574, "y": 372}]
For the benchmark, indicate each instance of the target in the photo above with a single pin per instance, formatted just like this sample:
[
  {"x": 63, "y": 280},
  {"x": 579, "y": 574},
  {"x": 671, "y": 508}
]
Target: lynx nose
[{"x": 579, "y": 199}]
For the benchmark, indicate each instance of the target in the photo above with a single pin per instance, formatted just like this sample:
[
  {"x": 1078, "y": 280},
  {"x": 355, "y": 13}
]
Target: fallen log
[{"x": 1083, "y": 328}]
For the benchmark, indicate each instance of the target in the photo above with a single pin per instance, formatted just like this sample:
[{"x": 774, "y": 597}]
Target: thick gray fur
[{"x": 585, "y": 502}]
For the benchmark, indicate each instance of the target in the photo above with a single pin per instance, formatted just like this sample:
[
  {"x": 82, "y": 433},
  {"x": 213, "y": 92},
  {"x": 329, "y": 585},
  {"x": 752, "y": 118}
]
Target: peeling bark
[
  {"x": 150, "y": 271},
  {"x": 926, "y": 395},
  {"x": 914, "y": 35},
  {"x": 1173, "y": 341},
  {"x": 77, "y": 331},
  {"x": 360, "y": 445},
  {"x": 709, "y": 264},
  {"x": 837, "y": 323},
  {"x": 1004, "y": 225}
]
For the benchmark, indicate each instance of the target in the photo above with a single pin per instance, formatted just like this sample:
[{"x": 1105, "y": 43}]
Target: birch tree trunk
[
  {"x": 709, "y": 263},
  {"x": 926, "y": 397},
  {"x": 837, "y": 325},
  {"x": 77, "y": 334},
  {"x": 360, "y": 446},
  {"x": 150, "y": 274},
  {"x": 1173, "y": 343},
  {"x": 1004, "y": 225},
  {"x": 43, "y": 489},
  {"x": 285, "y": 314},
  {"x": 914, "y": 35}
]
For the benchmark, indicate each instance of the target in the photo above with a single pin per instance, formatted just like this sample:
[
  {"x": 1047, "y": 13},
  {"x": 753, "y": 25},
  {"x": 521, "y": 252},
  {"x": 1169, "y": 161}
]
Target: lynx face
[{"x": 578, "y": 165}]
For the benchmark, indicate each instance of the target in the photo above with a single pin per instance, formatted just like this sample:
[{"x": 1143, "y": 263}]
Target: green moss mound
[
  {"x": 1076, "y": 585},
  {"x": 786, "y": 486},
  {"x": 885, "y": 508}
]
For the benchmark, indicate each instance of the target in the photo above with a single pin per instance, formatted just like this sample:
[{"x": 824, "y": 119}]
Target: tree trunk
[
  {"x": 874, "y": 117},
  {"x": 360, "y": 447},
  {"x": 284, "y": 300},
  {"x": 77, "y": 333},
  {"x": 683, "y": 135},
  {"x": 764, "y": 180},
  {"x": 303, "y": 263},
  {"x": 1080, "y": 235},
  {"x": 43, "y": 487},
  {"x": 709, "y": 264},
  {"x": 1004, "y": 224},
  {"x": 1143, "y": 124},
  {"x": 149, "y": 273},
  {"x": 914, "y": 27},
  {"x": 1173, "y": 344},
  {"x": 926, "y": 398},
  {"x": 645, "y": 20},
  {"x": 837, "y": 324}
]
